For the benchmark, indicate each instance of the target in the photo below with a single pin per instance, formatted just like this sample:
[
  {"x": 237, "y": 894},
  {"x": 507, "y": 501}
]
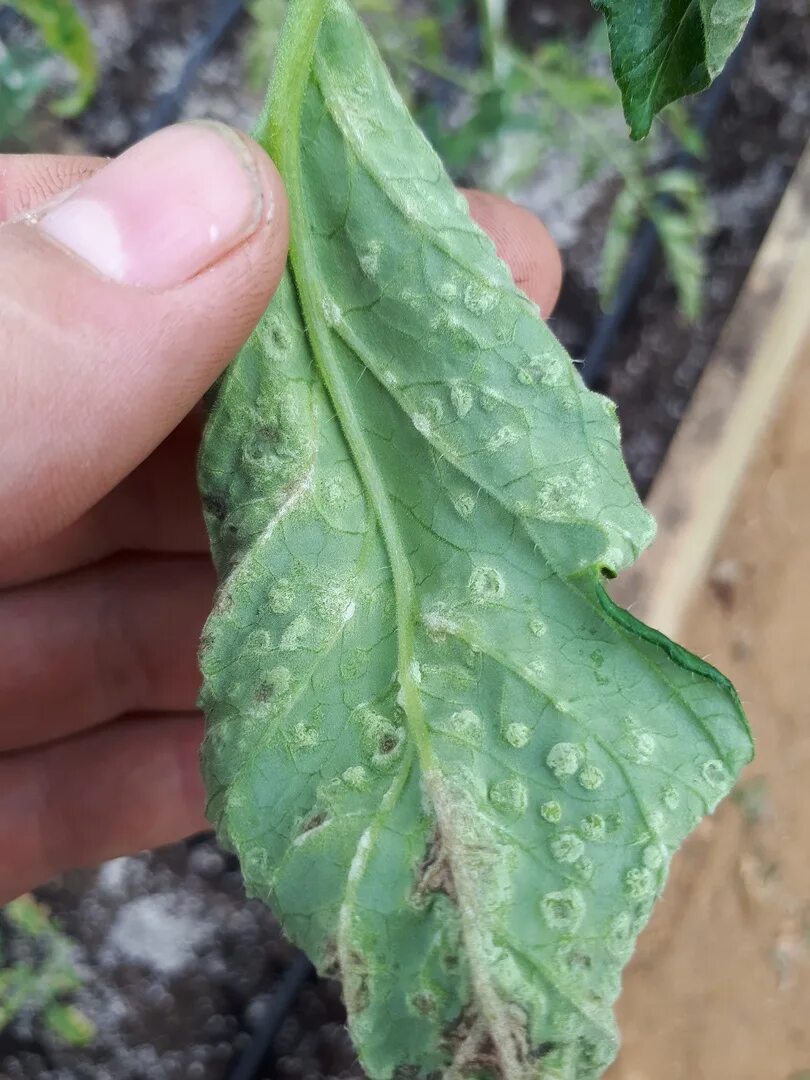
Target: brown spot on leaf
[
  {"x": 313, "y": 822},
  {"x": 330, "y": 966},
  {"x": 215, "y": 505},
  {"x": 434, "y": 874},
  {"x": 469, "y": 1044}
]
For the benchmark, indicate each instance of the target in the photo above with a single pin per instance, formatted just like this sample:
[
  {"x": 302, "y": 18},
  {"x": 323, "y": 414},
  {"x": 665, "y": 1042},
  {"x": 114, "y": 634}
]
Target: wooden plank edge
[{"x": 734, "y": 400}]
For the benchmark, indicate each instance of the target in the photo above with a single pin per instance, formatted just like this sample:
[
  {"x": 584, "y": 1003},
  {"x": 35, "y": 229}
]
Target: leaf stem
[
  {"x": 289, "y": 84},
  {"x": 296, "y": 49}
]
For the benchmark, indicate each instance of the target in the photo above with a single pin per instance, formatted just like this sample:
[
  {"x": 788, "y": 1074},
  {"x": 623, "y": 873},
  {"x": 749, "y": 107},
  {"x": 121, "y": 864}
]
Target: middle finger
[
  {"x": 87, "y": 647},
  {"x": 156, "y": 508}
]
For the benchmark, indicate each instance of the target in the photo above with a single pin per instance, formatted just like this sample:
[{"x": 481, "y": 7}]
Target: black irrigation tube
[
  {"x": 255, "y": 1061},
  {"x": 167, "y": 107}
]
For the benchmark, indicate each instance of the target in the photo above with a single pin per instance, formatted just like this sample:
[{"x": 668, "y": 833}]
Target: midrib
[
  {"x": 327, "y": 365},
  {"x": 308, "y": 286},
  {"x": 307, "y": 282}
]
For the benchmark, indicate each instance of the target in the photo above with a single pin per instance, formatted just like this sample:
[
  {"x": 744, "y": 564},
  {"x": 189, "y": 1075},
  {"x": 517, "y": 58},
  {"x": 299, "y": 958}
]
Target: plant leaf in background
[
  {"x": 675, "y": 201},
  {"x": 65, "y": 33},
  {"x": 680, "y": 213},
  {"x": 37, "y": 981},
  {"x": 665, "y": 49},
  {"x": 69, "y": 1024},
  {"x": 452, "y": 766},
  {"x": 22, "y": 80},
  {"x": 625, "y": 218}
]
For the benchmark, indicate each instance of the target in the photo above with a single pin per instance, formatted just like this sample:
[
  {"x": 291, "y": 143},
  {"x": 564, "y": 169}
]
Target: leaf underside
[
  {"x": 455, "y": 770},
  {"x": 663, "y": 50}
]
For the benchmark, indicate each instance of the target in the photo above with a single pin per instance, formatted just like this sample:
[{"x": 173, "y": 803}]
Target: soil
[
  {"x": 180, "y": 968},
  {"x": 719, "y": 988},
  {"x": 181, "y": 971}
]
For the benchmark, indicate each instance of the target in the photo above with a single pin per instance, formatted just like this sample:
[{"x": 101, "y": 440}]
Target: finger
[
  {"x": 131, "y": 785},
  {"x": 83, "y": 649},
  {"x": 29, "y": 180},
  {"x": 522, "y": 241},
  {"x": 155, "y": 509},
  {"x": 119, "y": 307}
]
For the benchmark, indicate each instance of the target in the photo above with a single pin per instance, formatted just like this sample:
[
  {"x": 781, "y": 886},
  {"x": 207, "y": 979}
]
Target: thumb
[{"x": 120, "y": 304}]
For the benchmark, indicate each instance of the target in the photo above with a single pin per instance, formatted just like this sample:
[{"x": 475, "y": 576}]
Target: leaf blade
[
  {"x": 668, "y": 49},
  {"x": 412, "y": 680}
]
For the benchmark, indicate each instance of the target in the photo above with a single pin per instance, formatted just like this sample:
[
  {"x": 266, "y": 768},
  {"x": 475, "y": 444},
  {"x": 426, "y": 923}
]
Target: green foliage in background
[
  {"x": 452, "y": 766},
  {"x": 674, "y": 200},
  {"x": 65, "y": 34},
  {"x": 22, "y": 81},
  {"x": 662, "y": 50},
  {"x": 495, "y": 117},
  {"x": 42, "y": 983}
]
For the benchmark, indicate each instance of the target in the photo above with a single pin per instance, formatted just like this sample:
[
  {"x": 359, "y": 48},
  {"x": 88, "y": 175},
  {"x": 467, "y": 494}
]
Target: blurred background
[{"x": 156, "y": 966}]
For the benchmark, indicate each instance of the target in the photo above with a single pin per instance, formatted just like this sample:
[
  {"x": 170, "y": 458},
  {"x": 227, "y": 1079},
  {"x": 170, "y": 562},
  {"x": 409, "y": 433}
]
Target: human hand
[{"x": 119, "y": 306}]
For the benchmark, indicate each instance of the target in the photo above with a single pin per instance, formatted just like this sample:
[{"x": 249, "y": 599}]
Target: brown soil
[{"x": 720, "y": 987}]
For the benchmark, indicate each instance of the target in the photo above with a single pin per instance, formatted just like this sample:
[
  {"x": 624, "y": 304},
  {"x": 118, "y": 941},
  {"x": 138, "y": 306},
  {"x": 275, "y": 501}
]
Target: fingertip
[
  {"x": 524, "y": 243},
  {"x": 276, "y": 209},
  {"x": 172, "y": 206}
]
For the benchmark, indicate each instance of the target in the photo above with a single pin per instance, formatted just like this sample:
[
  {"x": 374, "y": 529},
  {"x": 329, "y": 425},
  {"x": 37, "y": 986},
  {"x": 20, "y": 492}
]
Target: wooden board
[
  {"x": 720, "y": 986},
  {"x": 697, "y": 484}
]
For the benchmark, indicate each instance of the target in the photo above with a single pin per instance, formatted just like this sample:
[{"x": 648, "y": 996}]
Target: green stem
[
  {"x": 469, "y": 84},
  {"x": 296, "y": 49},
  {"x": 294, "y": 63},
  {"x": 491, "y": 13}
]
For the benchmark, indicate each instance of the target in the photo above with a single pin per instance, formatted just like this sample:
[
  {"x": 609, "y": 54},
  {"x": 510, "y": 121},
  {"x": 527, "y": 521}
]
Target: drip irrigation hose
[
  {"x": 254, "y": 1061},
  {"x": 635, "y": 276},
  {"x": 168, "y": 105}
]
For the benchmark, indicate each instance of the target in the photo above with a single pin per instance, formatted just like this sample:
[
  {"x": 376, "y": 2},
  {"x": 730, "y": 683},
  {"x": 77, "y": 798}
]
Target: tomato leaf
[
  {"x": 665, "y": 49},
  {"x": 452, "y": 766}
]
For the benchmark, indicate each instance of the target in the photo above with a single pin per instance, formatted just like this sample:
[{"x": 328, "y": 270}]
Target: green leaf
[
  {"x": 65, "y": 33},
  {"x": 683, "y": 220},
  {"x": 28, "y": 916},
  {"x": 69, "y": 1024},
  {"x": 22, "y": 80},
  {"x": 665, "y": 49},
  {"x": 625, "y": 218},
  {"x": 452, "y": 766}
]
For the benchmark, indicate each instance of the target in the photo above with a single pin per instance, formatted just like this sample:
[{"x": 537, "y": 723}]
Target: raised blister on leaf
[{"x": 451, "y": 765}]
